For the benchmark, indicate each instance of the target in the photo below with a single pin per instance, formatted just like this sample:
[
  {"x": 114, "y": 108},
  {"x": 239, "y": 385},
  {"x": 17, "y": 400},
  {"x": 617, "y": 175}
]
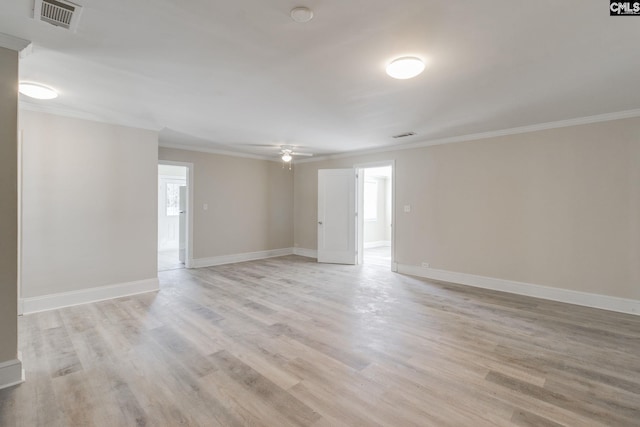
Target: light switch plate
[{"x": 407, "y": 208}]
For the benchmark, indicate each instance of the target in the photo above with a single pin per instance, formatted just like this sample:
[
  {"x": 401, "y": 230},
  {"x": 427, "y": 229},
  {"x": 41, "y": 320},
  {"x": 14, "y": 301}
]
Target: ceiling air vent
[
  {"x": 60, "y": 13},
  {"x": 403, "y": 135}
]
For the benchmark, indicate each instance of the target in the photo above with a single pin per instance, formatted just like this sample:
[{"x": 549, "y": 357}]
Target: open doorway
[
  {"x": 375, "y": 222},
  {"x": 173, "y": 215}
]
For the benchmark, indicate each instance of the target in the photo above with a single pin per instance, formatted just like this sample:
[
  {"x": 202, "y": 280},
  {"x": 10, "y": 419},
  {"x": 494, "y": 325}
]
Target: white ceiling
[{"x": 221, "y": 74}]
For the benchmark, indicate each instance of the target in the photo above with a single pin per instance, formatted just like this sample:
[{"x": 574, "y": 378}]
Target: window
[
  {"x": 371, "y": 200},
  {"x": 173, "y": 199}
]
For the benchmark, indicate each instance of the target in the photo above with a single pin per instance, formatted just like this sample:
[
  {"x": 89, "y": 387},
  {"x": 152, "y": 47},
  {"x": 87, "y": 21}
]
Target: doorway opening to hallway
[
  {"x": 356, "y": 215},
  {"x": 376, "y": 215},
  {"x": 173, "y": 216}
]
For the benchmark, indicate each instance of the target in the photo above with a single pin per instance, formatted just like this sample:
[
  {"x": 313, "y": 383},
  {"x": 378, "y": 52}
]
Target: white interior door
[
  {"x": 337, "y": 216},
  {"x": 182, "y": 226}
]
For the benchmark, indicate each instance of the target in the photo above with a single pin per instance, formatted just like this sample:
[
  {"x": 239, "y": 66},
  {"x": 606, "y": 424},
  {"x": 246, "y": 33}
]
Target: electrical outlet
[{"x": 425, "y": 265}]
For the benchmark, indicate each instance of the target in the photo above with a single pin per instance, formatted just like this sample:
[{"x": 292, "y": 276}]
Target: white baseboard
[
  {"x": 377, "y": 244},
  {"x": 234, "y": 258},
  {"x": 309, "y": 253},
  {"x": 11, "y": 373},
  {"x": 67, "y": 299},
  {"x": 604, "y": 302}
]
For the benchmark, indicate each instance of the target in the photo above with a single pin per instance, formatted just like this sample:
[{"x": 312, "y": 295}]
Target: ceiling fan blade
[
  {"x": 301, "y": 154},
  {"x": 269, "y": 146}
]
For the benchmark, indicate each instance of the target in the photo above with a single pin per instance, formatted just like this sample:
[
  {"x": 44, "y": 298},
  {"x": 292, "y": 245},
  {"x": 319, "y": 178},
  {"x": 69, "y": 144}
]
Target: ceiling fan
[{"x": 287, "y": 153}]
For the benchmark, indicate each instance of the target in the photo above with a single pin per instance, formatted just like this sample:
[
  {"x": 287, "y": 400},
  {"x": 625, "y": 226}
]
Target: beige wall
[
  {"x": 89, "y": 199},
  {"x": 559, "y": 207},
  {"x": 250, "y": 203},
  {"x": 9, "y": 211}
]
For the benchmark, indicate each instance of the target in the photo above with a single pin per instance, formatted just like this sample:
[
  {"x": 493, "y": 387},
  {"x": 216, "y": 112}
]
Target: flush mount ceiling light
[
  {"x": 301, "y": 14},
  {"x": 37, "y": 91},
  {"x": 405, "y": 68}
]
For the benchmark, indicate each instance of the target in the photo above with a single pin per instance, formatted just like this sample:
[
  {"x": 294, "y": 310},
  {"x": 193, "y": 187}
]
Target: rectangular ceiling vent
[
  {"x": 60, "y": 13},
  {"x": 403, "y": 135}
]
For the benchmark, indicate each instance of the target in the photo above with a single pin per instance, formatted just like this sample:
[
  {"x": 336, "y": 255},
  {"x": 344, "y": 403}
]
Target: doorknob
[{"x": 320, "y": 222}]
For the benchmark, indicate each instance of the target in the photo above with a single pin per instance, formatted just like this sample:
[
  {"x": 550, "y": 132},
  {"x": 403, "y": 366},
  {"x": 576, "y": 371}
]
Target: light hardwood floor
[
  {"x": 380, "y": 255},
  {"x": 169, "y": 260},
  {"x": 286, "y": 341}
]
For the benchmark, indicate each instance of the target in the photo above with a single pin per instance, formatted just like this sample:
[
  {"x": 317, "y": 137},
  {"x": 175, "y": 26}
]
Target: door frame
[
  {"x": 188, "y": 256},
  {"x": 20, "y": 254},
  {"x": 360, "y": 167}
]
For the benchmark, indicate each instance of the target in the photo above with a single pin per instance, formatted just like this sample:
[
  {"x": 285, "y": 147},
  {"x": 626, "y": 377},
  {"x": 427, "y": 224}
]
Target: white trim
[
  {"x": 84, "y": 296},
  {"x": 379, "y": 243},
  {"x": 201, "y": 149},
  {"x": 57, "y": 110},
  {"x": 20, "y": 181},
  {"x": 180, "y": 179},
  {"x": 11, "y": 373},
  {"x": 13, "y": 43},
  {"x": 375, "y": 165},
  {"x": 234, "y": 258},
  {"x": 26, "y": 51},
  {"x": 604, "y": 302},
  {"x": 61, "y": 111},
  {"x": 627, "y": 114},
  {"x": 360, "y": 218},
  {"x": 309, "y": 253}
]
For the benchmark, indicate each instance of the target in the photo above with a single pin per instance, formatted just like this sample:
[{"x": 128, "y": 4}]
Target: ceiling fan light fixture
[
  {"x": 286, "y": 157},
  {"x": 406, "y": 67},
  {"x": 37, "y": 91}
]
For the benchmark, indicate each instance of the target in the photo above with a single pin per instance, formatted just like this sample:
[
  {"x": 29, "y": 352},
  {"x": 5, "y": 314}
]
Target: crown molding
[
  {"x": 421, "y": 144},
  {"x": 201, "y": 149},
  {"x": 627, "y": 114},
  {"x": 13, "y": 43},
  {"x": 74, "y": 114},
  {"x": 58, "y": 111}
]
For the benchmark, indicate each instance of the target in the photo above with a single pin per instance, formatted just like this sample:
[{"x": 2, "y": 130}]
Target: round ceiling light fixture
[
  {"x": 301, "y": 14},
  {"x": 37, "y": 91},
  {"x": 406, "y": 67}
]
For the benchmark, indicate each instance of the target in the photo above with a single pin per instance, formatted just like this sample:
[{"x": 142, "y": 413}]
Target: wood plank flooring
[
  {"x": 288, "y": 342},
  {"x": 380, "y": 255},
  {"x": 169, "y": 260}
]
